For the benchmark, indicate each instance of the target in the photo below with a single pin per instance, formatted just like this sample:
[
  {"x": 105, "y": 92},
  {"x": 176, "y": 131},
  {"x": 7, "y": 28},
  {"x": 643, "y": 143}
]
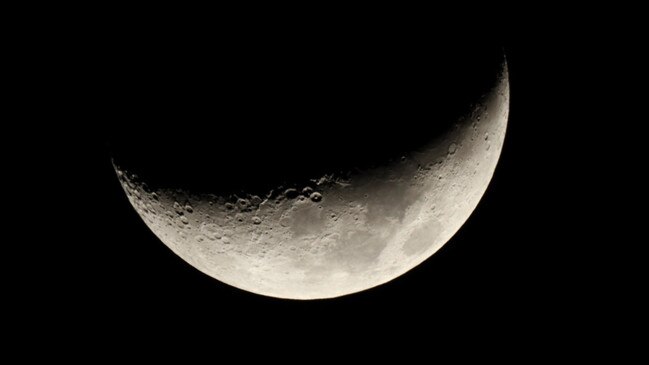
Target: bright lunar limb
[{"x": 335, "y": 235}]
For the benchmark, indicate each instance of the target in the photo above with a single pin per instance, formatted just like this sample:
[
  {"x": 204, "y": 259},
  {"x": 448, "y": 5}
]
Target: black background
[{"x": 515, "y": 266}]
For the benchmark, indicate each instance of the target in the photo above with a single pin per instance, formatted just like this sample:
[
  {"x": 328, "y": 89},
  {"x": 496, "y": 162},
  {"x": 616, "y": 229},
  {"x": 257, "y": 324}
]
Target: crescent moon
[{"x": 336, "y": 235}]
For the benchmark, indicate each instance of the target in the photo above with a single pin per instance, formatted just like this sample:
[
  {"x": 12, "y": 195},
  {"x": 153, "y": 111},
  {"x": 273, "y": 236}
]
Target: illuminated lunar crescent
[{"x": 336, "y": 235}]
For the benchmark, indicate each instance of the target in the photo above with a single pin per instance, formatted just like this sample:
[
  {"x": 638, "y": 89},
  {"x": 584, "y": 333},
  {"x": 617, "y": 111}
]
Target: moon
[{"x": 337, "y": 233}]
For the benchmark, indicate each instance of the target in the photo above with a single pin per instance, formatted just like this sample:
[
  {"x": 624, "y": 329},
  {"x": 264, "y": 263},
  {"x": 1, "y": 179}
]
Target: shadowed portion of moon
[{"x": 246, "y": 120}]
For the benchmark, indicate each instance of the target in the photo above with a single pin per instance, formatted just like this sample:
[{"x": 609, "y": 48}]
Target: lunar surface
[{"x": 334, "y": 234}]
